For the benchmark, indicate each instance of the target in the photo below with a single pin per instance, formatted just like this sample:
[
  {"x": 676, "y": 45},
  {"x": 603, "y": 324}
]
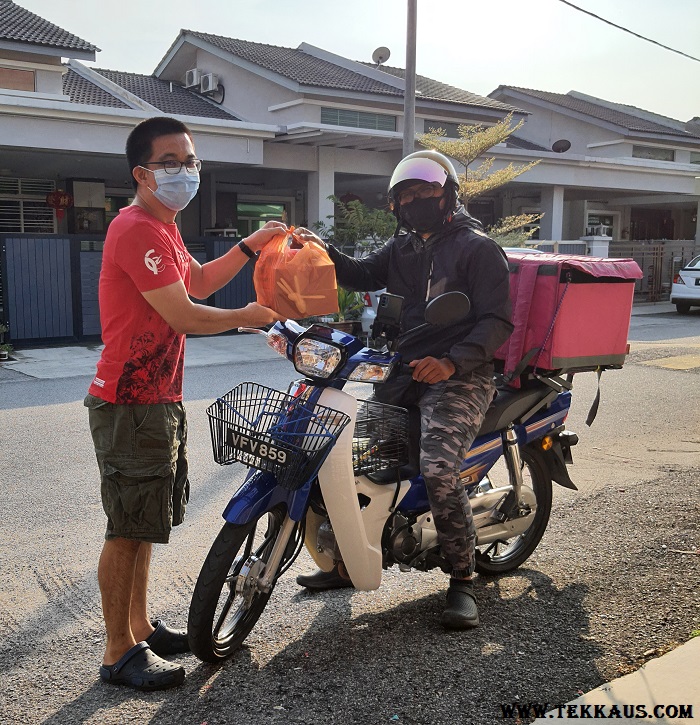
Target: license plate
[{"x": 256, "y": 448}]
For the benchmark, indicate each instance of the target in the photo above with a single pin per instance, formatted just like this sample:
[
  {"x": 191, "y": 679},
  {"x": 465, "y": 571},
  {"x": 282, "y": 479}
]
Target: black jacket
[{"x": 457, "y": 258}]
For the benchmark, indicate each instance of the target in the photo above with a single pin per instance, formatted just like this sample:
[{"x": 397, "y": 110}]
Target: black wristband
[{"x": 246, "y": 250}]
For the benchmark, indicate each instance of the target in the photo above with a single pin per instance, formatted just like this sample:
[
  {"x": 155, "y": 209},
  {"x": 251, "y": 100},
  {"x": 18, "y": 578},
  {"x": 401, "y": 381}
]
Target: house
[
  {"x": 610, "y": 167},
  {"x": 279, "y": 130}
]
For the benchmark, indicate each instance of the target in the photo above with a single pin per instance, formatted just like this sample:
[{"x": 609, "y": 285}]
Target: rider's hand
[
  {"x": 308, "y": 236},
  {"x": 257, "y": 316},
  {"x": 432, "y": 369},
  {"x": 258, "y": 239}
]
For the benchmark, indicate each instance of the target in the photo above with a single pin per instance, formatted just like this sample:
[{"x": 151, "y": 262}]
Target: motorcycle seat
[{"x": 510, "y": 405}]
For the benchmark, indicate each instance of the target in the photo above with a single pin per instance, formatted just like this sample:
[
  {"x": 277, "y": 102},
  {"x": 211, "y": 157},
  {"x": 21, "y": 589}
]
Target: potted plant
[
  {"x": 5, "y": 349},
  {"x": 357, "y": 229},
  {"x": 350, "y": 306}
]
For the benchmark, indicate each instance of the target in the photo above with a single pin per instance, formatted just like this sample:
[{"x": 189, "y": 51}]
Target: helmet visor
[{"x": 419, "y": 169}]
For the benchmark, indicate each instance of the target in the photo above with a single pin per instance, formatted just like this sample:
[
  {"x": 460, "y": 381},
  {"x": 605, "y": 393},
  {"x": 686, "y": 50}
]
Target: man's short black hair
[{"x": 139, "y": 145}]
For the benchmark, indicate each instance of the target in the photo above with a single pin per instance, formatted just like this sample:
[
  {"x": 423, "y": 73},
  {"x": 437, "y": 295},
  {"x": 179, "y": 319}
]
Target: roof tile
[
  {"x": 629, "y": 117},
  {"x": 173, "y": 100},
  {"x": 308, "y": 70},
  {"x": 82, "y": 90},
  {"x": 23, "y": 26},
  {"x": 166, "y": 97}
]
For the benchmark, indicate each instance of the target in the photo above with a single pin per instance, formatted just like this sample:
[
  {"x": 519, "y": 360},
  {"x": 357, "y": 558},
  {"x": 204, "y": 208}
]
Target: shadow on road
[{"x": 369, "y": 668}]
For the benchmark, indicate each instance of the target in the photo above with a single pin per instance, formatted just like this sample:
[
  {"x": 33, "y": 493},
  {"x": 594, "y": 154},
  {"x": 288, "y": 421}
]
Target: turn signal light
[{"x": 546, "y": 443}]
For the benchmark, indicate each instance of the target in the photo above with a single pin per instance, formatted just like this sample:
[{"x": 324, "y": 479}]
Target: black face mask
[{"x": 423, "y": 215}]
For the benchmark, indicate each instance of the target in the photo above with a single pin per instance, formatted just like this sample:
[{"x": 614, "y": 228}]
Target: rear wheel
[
  {"x": 508, "y": 554},
  {"x": 682, "y": 308},
  {"x": 227, "y": 601}
]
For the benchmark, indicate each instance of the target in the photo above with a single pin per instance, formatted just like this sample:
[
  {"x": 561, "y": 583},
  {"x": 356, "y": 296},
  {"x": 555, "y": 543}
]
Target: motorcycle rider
[{"x": 442, "y": 249}]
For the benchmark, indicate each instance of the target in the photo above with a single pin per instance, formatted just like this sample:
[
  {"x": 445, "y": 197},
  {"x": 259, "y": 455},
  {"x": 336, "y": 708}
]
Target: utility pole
[{"x": 409, "y": 99}]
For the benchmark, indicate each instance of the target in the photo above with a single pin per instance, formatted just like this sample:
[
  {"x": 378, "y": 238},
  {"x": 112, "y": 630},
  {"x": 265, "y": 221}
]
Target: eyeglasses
[
  {"x": 173, "y": 167},
  {"x": 425, "y": 191}
]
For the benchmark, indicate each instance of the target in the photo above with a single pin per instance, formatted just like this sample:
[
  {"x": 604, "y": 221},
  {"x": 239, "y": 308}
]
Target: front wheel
[
  {"x": 227, "y": 602},
  {"x": 508, "y": 554}
]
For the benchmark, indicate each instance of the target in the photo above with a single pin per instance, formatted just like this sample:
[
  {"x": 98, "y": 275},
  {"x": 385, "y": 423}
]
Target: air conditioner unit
[
  {"x": 209, "y": 83},
  {"x": 193, "y": 78}
]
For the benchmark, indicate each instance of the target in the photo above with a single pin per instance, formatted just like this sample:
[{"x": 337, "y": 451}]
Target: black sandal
[
  {"x": 141, "y": 669},
  {"x": 166, "y": 641}
]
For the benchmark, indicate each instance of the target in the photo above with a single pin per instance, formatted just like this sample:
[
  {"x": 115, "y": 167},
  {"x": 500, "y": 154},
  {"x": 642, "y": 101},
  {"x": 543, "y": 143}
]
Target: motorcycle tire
[
  {"x": 503, "y": 556},
  {"x": 221, "y": 617}
]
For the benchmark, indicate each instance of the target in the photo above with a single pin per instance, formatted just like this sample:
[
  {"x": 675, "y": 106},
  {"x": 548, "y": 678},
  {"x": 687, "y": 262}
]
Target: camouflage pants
[{"x": 451, "y": 414}]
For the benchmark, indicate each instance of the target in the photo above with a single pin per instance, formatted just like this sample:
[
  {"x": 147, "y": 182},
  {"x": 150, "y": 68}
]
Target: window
[
  {"x": 450, "y": 129},
  {"x": 113, "y": 204},
  {"x": 695, "y": 157},
  {"x": 17, "y": 80},
  {"x": 653, "y": 152},
  {"x": 358, "y": 119},
  {"x": 23, "y": 206}
]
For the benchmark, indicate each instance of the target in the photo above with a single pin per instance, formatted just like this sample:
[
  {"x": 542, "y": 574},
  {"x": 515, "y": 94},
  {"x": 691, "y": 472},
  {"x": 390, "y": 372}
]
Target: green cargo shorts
[{"x": 142, "y": 455}]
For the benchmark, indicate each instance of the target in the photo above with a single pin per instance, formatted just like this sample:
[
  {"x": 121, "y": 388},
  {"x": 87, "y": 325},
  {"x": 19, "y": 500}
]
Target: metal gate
[
  {"x": 49, "y": 285},
  {"x": 659, "y": 261}
]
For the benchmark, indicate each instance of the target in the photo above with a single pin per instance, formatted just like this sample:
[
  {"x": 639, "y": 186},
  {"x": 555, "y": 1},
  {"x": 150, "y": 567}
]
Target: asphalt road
[{"x": 350, "y": 657}]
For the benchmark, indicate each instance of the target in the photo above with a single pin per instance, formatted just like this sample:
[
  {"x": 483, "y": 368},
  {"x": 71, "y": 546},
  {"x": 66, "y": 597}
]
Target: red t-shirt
[{"x": 143, "y": 357}]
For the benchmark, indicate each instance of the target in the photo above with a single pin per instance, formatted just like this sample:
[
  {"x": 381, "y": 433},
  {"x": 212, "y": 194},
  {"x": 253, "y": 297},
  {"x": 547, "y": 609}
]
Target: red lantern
[{"x": 59, "y": 200}]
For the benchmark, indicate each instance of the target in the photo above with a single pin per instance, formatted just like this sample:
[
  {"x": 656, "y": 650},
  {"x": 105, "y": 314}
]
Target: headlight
[
  {"x": 371, "y": 372},
  {"x": 316, "y": 359}
]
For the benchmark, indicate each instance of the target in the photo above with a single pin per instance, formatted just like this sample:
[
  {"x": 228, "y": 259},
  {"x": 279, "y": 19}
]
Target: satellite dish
[
  {"x": 381, "y": 55},
  {"x": 561, "y": 145}
]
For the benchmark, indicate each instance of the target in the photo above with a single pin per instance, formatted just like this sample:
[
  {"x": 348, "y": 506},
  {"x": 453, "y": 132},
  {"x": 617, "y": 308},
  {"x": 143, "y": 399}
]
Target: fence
[
  {"x": 49, "y": 285},
  {"x": 659, "y": 260}
]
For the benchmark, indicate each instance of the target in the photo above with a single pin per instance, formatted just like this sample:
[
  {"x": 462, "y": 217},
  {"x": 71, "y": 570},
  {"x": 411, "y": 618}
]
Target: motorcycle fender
[
  {"x": 260, "y": 493},
  {"x": 557, "y": 467},
  {"x": 358, "y": 532}
]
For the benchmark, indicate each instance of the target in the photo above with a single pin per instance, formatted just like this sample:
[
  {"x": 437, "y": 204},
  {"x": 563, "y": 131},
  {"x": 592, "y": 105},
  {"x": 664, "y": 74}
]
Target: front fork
[{"x": 269, "y": 573}]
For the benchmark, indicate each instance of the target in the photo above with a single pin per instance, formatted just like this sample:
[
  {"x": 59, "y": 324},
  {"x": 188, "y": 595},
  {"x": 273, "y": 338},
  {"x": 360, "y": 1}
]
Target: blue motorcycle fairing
[
  {"x": 487, "y": 449},
  {"x": 260, "y": 493}
]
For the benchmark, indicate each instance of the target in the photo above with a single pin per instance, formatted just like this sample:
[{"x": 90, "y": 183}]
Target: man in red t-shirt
[{"x": 137, "y": 419}]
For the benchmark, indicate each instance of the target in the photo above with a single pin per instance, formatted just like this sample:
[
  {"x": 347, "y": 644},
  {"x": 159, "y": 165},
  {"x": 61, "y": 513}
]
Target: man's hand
[
  {"x": 258, "y": 239},
  {"x": 432, "y": 370},
  {"x": 256, "y": 315},
  {"x": 308, "y": 236}
]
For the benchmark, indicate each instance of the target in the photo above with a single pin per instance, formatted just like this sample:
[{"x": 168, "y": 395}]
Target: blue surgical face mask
[{"x": 175, "y": 191}]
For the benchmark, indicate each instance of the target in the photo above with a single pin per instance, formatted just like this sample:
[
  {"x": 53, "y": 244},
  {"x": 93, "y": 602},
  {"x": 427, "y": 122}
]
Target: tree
[
  {"x": 357, "y": 227},
  {"x": 474, "y": 141}
]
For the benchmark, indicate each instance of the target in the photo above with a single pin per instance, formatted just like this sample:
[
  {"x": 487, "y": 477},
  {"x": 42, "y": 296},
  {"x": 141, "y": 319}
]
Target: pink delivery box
[{"x": 570, "y": 313}]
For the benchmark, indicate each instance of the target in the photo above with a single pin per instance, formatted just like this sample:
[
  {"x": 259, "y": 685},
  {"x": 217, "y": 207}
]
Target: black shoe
[
  {"x": 321, "y": 580},
  {"x": 141, "y": 669},
  {"x": 461, "y": 611},
  {"x": 165, "y": 641}
]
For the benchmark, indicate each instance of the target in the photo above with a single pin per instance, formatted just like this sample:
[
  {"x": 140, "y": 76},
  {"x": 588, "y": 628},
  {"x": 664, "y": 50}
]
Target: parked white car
[
  {"x": 369, "y": 311},
  {"x": 685, "y": 290}
]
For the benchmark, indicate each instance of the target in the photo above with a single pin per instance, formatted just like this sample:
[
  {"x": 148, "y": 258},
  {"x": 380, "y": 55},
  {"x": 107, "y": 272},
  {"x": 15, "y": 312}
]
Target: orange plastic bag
[{"x": 295, "y": 278}]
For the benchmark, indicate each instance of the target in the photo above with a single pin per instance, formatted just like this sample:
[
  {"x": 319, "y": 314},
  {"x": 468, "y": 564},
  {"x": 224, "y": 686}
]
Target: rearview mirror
[{"x": 447, "y": 309}]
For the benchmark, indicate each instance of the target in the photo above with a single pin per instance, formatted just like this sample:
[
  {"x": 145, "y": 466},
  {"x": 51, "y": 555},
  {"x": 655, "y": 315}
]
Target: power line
[{"x": 627, "y": 30}]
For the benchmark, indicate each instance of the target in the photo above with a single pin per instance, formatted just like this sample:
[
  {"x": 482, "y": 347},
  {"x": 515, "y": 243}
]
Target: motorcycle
[{"x": 335, "y": 474}]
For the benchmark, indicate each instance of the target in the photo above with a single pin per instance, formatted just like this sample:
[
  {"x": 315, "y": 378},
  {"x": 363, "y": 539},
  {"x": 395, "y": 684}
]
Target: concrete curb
[{"x": 661, "y": 687}]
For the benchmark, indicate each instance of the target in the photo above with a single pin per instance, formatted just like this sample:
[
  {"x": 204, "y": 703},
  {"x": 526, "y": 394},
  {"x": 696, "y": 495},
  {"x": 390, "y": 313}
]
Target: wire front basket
[
  {"x": 380, "y": 439},
  {"x": 273, "y": 431}
]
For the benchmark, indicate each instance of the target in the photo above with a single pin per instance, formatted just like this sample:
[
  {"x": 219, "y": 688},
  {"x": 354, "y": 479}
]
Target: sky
[{"x": 477, "y": 46}]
